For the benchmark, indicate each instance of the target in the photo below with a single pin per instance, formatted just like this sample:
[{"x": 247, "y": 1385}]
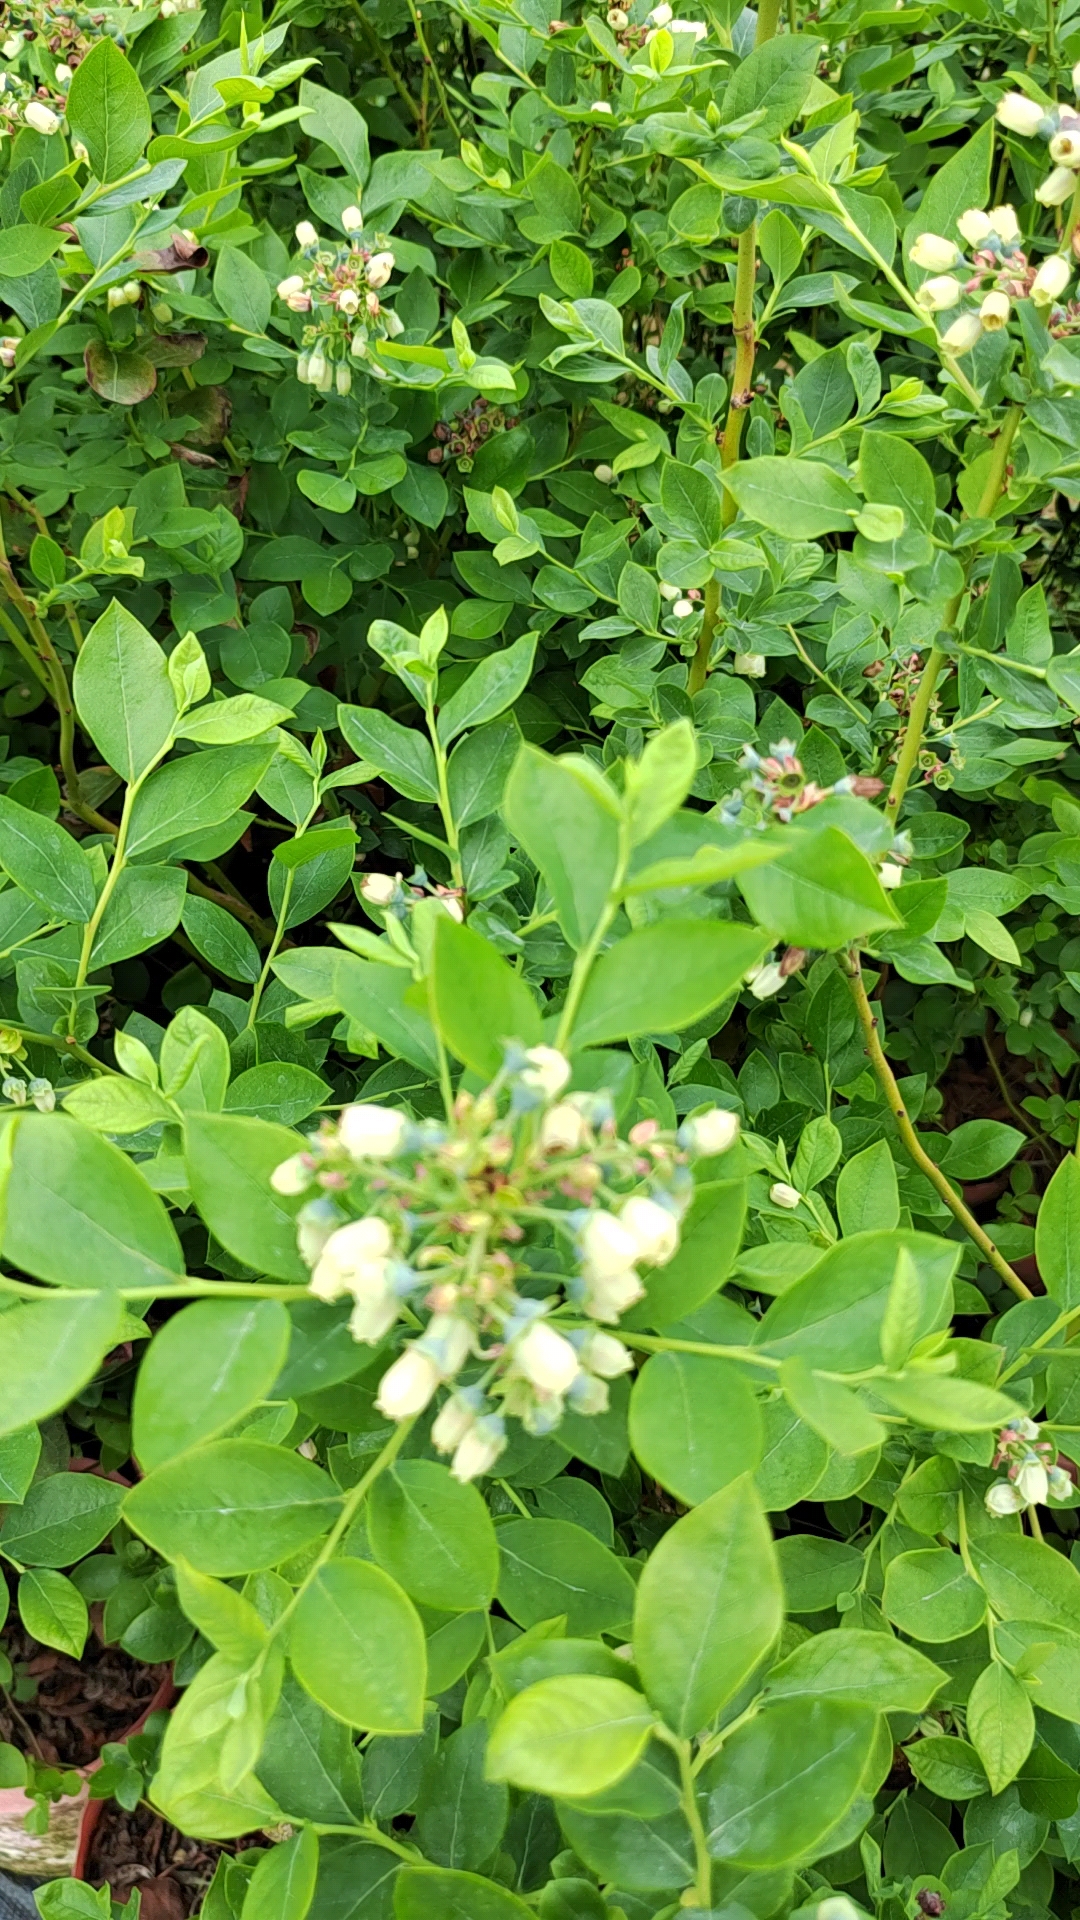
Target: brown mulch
[
  {"x": 79, "y": 1705},
  {"x": 141, "y": 1850}
]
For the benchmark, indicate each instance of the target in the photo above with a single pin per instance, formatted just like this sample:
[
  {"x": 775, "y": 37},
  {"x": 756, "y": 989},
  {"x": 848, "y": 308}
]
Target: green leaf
[
  {"x": 53, "y": 1611},
  {"x": 52, "y": 1348},
  {"x": 194, "y": 793},
  {"x": 664, "y": 977},
  {"x": 955, "y": 1406},
  {"x": 1025, "y": 1580},
  {"x": 948, "y": 1767},
  {"x": 659, "y": 782},
  {"x": 894, "y": 473},
  {"x": 490, "y": 688},
  {"x": 964, "y": 181},
  {"x": 24, "y": 249},
  {"x": 691, "y": 502},
  {"x": 1000, "y": 1724},
  {"x": 694, "y": 1424},
  {"x": 19, "y": 1455},
  {"x": 832, "y": 1318},
  {"x": 572, "y": 1735},
  {"x": 780, "y": 1782},
  {"x": 336, "y": 122},
  {"x": 63, "y": 1518},
  {"x": 46, "y": 863},
  {"x": 461, "y": 1811},
  {"x": 234, "y": 1506},
  {"x": 227, "y": 1620},
  {"x": 551, "y": 1567},
  {"x": 107, "y": 110},
  {"x": 709, "y": 1605},
  {"x": 831, "y": 1409},
  {"x": 282, "y": 1886},
  {"x": 871, "y": 1669},
  {"x": 223, "y": 723},
  {"x": 798, "y": 499},
  {"x": 144, "y": 909},
  {"x": 823, "y": 893},
  {"x": 929, "y": 1595},
  {"x": 281, "y": 1091},
  {"x": 230, "y": 1158},
  {"x": 434, "y": 1536},
  {"x": 772, "y": 80},
  {"x": 867, "y": 1195},
  {"x": 566, "y": 818},
  {"x": 479, "y": 1002},
  {"x": 242, "y": 290},
  {"x": 380, "y": 998},
  {"x": 1057, "y": 1233},
  {"x": 81, "y": 1215},
  {"x": 357, "y": 1645},
  {"x": 220, "y": 939},
  {"x": 437, "y": 1893},
  {"x": 204, "y": 1369},
  {"x": 123, "y": 693},
  {"x": 402, "y": 755}
]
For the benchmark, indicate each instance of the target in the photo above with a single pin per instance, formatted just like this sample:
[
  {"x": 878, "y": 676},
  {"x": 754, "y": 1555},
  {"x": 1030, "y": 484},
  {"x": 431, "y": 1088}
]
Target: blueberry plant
[{"x": 539, "y": 1021}]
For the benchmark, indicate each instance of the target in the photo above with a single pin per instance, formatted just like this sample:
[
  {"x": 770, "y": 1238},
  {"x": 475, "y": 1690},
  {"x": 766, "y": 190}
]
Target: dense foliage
[{"x": 541, "y": 1028}]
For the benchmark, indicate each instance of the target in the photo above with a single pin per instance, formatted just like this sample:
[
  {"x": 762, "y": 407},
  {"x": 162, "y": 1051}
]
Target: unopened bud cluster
[
  {"x": 339, "y": 286},
  {"x": 1033, "y": 1473},
  {"x": 461, "y": 437},
  {"x": 980, "y": 289},
  {"x": 514, "y": 1228},
  {"x": 777, "y": 788}
]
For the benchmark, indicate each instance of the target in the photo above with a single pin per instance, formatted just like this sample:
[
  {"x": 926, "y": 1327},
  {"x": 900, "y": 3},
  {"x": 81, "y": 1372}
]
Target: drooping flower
[
  {"x": 934, "y": 253},
  {"x": 710, "y": 1133},
  {"x": 1020, "y": 115},
  {"x": 546, "y": 1073},
  {"x": 964, "y": 333},
  {"x": 368, "y": 1132},
  {"x": 406, "y": 1387},
  {"x": 546, "y": 1358},
  {"x": 783, "y": 1195},
  {"x": 653, "y": 1228},
  {"x": 1051, "y": 280}
]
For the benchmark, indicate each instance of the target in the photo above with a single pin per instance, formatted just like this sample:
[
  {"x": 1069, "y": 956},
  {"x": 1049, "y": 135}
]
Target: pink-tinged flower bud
[
  {"x": 407, "y": 1387},
  {"x": 480, "y": 1448},
  {"x": 963, "y": 334},
  {"x": 653, "y": 1227},
  {"x": 1051, "y": 280},
  {"x": 1020, "y": 115},
  {"x": 372, "y": 1133},
  {"x": 379, "y": 269},
  {"x": 545, "y": 1358},
  {"x": 782, "y": 1195},
  {"x": 934, "y": 253}
]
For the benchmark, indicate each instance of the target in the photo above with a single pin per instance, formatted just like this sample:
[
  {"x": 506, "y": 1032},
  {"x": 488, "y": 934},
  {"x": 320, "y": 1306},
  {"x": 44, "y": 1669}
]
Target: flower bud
[
  {"x": 936, "y": 295},
  {"x": 1060, "y": 1484},
  {"x": 1051, "y": 280},
  {"x": 545, "y": 1358},
  {"x": 753, "y": 665},
  {"x": 63, "y": 75},
  {"x": 315, "y": 1223},
  {"x": 975, "y": 226},
  {"x": 293, "y": 283},
  {"x": 379, "y": 269},
  {"x": 890, "y": 874},
  {"x": 564, "y": 1129},
  {"x": 601, "y": 106},
  {"x": 454, "y": 1420},
  {"x": 1056, "y": 188},
  {"x": 767, "y": 980},
  {"x": 352, "y": 219},
  {"x": 994, "y": 311},
  {"x": 12, "y": 46},
  {"x": 784, "y": 1196},
  {"x": 293, "y": 1176},
  {"x": 342, "y": 379},
  {"x": 1004, "y": 222},
  {"x": 81, "y": 152},
  {"x": 606, "y": 1245},
  {"x": 682, "y": 609},
  {"x": 653, "y": 1227},
  {"x": 1032, "y": 1483},
  {"x": 348, "y": 301},
  {"x": 447, "y": 1340},
  {"x": 480, "y": 1448},
  {"x": 14, "y": 1089},
  {"x": 306, "y": 235},
  {"x": 407, "y": 1387},
  {"x": 609, "y": 1295},
  {"x": 1003, "y": 1499},
  {"x": 40, "y": 117},
  {"x": 43, "y": 1095},
  {"x": 547, "y": 1071},
  {"x": 603, "y": 473},
  {"x": 963, "y": 334},
  {"x": 1020, "y": 115},
  {"x": 662, "y": 14},
  {"x": 711, "y": 1132},
  {"x": 934, "y": 253},
  {"x": 1065, "y": 149},
  {"x": 605, "y": 1355},
  {"x": 617, "y": 19},
  {"x": 379, "y": 888},
  {"x": 372, "y": 1133},
  {"x": 668, "y": 592}
]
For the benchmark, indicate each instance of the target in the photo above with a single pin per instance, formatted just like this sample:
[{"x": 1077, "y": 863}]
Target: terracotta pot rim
[{"x": 92, "y": 1812}]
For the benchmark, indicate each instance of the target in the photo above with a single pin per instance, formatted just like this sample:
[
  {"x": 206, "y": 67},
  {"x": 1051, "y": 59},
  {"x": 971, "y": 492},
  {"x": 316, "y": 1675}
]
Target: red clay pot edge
[{"x": 93, "y": 1810}]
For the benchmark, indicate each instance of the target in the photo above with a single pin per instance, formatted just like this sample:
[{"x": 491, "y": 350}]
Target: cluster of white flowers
[
  {"x": 997, "y": 273},
  {"x": 1033, "y": 1473},
  {"x": 1059, "y": 127},
  {"x": 339, "y": 286},
  {"x": 442, "y": 1206},
  {"x": 41, "y": 1093}
]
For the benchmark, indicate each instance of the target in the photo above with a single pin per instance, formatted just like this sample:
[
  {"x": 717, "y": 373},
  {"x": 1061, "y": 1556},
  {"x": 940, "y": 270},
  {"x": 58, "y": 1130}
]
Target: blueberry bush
[{"x": 539, "y": 1006}]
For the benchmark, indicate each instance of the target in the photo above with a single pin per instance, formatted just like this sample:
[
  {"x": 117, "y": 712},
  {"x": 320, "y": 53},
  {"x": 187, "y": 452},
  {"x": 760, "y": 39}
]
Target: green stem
[
  {"x": 431, "y": 66},
  {"x": 351, "y": 1506},
  {"x": 910, "y": 1138},
  {"x": 935, "y": 659},
  {"x": 699, "y": 665},
  {"x": 453, "y": 839},
  {"x": 116, "y": 867},
  {"x": 655, "y": 1343},
  {"x": 692, "y": 1814},
  {"x": 583, "y": 965}
]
